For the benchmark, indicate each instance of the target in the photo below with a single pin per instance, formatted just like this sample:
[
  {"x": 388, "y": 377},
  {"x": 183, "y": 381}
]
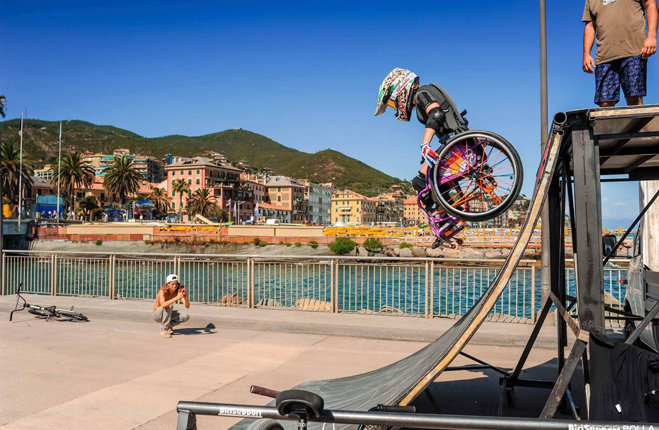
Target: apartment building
[
  {"x": 351, "y": 208},
  {"x": 319, "y": 201},
  {"x": 222, "y": 179},
  {"x": 390, "y": 208},
  {"x": 412, "y": 214},
  {"x": 45, "y": 173},
  {"x": 151, "y": 169},
  {"x": 288, "y": 193}
]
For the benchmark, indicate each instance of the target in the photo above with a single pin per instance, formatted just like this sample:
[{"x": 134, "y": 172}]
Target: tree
[
  {"x": 180, "y": 186},
  {"x": 203, "y": 203},
  {"x": 88, "y": 205},
  {"x": 161, "y": 201},
  {"x": 75, "y": 173},
  {"x": 10, "y": 171},
  {"x": 122, "y": 178}
]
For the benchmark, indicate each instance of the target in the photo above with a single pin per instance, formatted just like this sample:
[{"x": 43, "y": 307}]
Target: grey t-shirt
[{"x": 619, "y": 25}]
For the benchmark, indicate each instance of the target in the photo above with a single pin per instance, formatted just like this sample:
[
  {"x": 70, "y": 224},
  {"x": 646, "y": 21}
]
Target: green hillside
[{"x": 40, "y": 144}]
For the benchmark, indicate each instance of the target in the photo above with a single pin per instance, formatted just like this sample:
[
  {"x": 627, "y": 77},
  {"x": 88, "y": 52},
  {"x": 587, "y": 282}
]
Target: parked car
[{"x": 642, "y": 294}]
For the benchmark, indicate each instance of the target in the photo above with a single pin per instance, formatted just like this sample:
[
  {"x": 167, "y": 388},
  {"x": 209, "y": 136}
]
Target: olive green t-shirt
[{"x": 619, "y": 26}]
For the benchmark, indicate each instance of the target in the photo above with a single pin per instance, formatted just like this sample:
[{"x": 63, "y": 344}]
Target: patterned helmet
[{"x": 396, "y": 92}]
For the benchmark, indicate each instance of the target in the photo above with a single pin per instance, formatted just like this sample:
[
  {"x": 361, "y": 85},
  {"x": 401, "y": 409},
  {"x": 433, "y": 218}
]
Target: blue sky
[{"x": 305, "y": 74}]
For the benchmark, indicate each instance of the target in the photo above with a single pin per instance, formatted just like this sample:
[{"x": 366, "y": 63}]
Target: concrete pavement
[{"x": 117, "y": 372}]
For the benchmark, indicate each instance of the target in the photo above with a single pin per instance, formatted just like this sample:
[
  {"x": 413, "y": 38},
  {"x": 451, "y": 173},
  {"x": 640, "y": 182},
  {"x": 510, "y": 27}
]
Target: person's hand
[
  {"x": 588, "y": 64},
  {"x": 429, "y": 154},
  {"x": 649, "y": 47}
]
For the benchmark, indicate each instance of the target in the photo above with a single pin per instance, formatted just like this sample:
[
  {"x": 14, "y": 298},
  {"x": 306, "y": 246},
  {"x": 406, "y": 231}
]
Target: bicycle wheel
[
  {"x": 478, "y": 176},
  {"x": 71, "y": 315}
]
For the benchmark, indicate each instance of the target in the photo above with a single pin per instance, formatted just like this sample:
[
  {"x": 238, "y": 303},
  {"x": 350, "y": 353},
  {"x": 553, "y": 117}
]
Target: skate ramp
[{"x": 401, "y": 382}]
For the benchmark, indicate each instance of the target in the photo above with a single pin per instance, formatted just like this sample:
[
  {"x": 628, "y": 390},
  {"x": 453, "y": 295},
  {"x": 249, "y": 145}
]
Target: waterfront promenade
[{"x": 117, "y": 372}]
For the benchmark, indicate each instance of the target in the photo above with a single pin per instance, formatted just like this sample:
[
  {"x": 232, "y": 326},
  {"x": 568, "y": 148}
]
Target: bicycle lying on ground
[
  {"x": 48, "y": 313},
  {"x": 477, "y": 177}
]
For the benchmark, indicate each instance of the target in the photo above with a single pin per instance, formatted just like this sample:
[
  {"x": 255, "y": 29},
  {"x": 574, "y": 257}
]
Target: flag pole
[
  {"x": 20, "y": 175},
  {"x": 59, "y": 167}
]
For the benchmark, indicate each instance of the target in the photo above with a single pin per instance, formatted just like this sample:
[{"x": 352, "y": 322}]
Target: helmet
[{"x": 396, "y": 92}]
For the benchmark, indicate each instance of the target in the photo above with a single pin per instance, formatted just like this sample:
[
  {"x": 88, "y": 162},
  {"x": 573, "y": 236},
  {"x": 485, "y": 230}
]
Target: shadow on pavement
[
  {"x": 195, "y": 330},
  {"x": 476, "y": 392}
]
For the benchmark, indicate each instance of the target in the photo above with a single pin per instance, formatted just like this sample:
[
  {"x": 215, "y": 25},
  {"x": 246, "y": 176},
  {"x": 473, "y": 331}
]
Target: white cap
[{"x": 171, "y": 278}]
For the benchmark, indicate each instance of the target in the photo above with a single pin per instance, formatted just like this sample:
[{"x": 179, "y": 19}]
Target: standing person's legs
[
  {"x": 607, "y": 83},
  {"x": 633, "y": 78}
]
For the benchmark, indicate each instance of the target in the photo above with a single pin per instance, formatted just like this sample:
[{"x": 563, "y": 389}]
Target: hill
[{"x": 41, "y": 137}]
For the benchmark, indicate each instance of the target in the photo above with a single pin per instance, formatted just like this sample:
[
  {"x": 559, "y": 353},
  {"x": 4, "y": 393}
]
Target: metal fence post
[
  {"x": 2, "y": 269},
  {"x": 250, "y": 283},
  {"x": 427, "y": 295},
  {"x": 53, "y": 274},
  {"x": 177, "y": 266},
  {"x": 335, "y": 286},
  {"x": 533, "y": 291},
  {"x": 432, "y": 290},
  {"x": 112, "y": 286}
]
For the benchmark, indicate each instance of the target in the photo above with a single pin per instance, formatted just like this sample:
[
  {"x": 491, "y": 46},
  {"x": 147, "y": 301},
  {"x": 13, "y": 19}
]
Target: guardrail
[{"x": 422, "y": 287}]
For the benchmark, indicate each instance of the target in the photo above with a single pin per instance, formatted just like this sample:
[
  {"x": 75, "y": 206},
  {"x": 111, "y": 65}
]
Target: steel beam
[{"x": 588, "y": 222}]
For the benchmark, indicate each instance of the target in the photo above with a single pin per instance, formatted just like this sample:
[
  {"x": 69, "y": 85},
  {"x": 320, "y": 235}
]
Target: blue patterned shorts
[{"x": 630, "y": 72}]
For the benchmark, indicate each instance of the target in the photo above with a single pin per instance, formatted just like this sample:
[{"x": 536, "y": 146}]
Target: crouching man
[{"x": 163, "y": 308}]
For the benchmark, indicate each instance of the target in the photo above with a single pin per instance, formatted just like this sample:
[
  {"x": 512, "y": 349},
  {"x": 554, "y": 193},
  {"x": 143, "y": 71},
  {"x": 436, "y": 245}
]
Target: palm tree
[
  {"x": 122, "y": 178},
  {"x": 88, "y": 205},
  {"x": 180, "y": 186},
  {"x": 10, "y": 171},
  {"x": 160, "y": 200},
  {"x": 75, "y": 173},
  {"x": 203, "y": 203}
]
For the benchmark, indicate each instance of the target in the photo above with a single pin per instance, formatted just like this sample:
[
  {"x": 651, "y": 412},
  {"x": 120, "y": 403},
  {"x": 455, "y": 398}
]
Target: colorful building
[
  {"x": 412, "y": 214},
  {"x": 222, "y": 179},
  {"x": 351, "y": 208},
  {"x": 288, "y": 193}
]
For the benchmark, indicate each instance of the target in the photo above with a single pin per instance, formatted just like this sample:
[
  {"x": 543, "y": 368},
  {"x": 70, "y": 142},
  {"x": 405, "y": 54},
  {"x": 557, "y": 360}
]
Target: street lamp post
[{"x": 544, "y": 112}]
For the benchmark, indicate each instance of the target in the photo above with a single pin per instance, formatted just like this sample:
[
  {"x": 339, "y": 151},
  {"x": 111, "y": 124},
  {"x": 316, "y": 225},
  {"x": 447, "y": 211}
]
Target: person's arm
[
  {"x": 588, "y": 40},
  {"x": 650, "y": 44},
  {"x": 186, "y": 301},
  {"x": 428, "y": 134},
  {"x": 166, "y": 303}
]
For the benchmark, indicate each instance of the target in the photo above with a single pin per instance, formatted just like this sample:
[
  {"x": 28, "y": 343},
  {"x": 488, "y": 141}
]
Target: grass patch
[
  {"x": 256, "y": 241},
  {"x": 298, "y": 244},
  {"x": 313, "y": 244},
  {"x": 404, "y": 245},
  {"x": 98, "y": 243},
  {"x": 287, "y": 244},
  {"x": 262, "y": 243}
]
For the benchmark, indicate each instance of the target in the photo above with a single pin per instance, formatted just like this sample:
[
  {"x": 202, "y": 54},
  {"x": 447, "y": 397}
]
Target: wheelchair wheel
[{"x": 478, "y": 176}]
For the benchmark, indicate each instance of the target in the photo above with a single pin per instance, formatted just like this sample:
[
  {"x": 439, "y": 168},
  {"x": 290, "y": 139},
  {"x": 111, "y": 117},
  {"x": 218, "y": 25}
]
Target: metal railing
[{"x": 422, "y": 287}]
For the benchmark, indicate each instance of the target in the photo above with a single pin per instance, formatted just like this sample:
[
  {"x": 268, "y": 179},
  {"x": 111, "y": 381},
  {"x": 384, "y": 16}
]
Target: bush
[
  {"x": 372, "y": 244},
  {"x": 287, "y": 243},
  {"x": 262, "y": 243},
  {"x": 404, "y": 245},
  {"x": 342, "y": 245},
  {"x": 256, "y": 241},
  {"x": 99, "y": 242},
  {"x": 298, "y": 244},
  {"x": 313, "y": 244}
]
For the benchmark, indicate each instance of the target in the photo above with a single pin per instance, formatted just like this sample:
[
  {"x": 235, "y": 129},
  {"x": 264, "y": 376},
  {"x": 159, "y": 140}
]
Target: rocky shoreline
[{"x": 463, "y": 252}]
